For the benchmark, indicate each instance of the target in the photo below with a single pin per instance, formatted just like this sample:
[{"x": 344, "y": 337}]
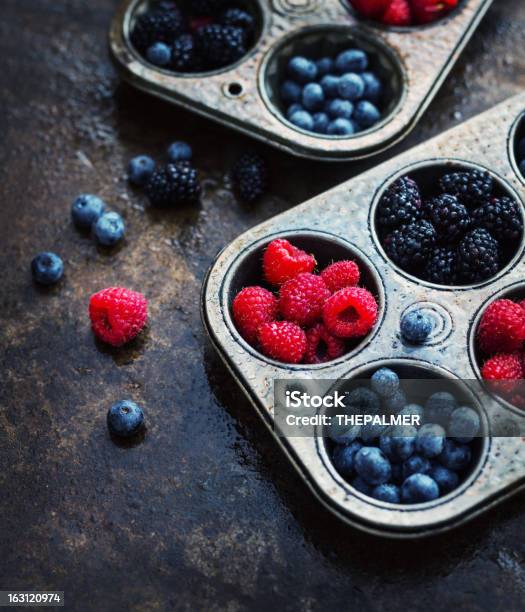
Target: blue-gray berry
[
  {"x": 399, "y": 443},
  {"x": 293, "y": 108},
  {"x": 416, "y": 464},
  {"x": 362, "y": 401},
  {"x": 366, "y": 114},
  {"x": 351, "y": 87},
  {"x": 338, "y": 108},
  {"x": 179, "y": 151},
  {"x": 125, "y": 419},
  {"x": 419, "y": 488},
  {"x": 446, "y": 479},
  {"x": 373, "y": 86},
  {"x": 329, "y": 84},
  {"x": 341, "y": 127},
  {"x": 47, "y": 268},
  {"x": 325, "y": 65},
  {"x": 159, "y": 54},
  {"x": 464, "y": 424},
  {"x": 387, "y": 492},
  {"x": 416, "y": 326},
  {"x": 439, "y": 408},
  {"x": 385, "y": 382},
  {"x": 351, "y": 60},
  {"x": 321, "y": 121},
  {"x": 430, "y": 440},
  {"x": 396, "y": 402},
  {"x": 140, "y": 170},
  {"x": 86, "y": 209},
  {"x": 109, "y": 229},
  {"x": 343, "y": 458},
  {"x": 302, "y": 119},
  {"x": 313, "y": 97},
  {"x": 414, "y": 410},
  {"x": 291, "y": 92},
  {"x": 455, "y": 456},
  {"x": 372, "y": 465},
  {"x": 302, "y": 69}
]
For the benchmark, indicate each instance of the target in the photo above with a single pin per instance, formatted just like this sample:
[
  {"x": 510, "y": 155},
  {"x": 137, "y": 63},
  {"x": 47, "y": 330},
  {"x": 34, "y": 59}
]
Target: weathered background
[{"x": 205, "y": 513}]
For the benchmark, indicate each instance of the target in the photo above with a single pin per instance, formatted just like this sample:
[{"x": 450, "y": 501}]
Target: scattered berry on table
[
  {"x": 47, "y": 268},
  {"x": 140, "y": 170},
  {"x": 283, "y": 341},
  {"x": 159, "y": 54},
  {"x": 322, "y": 346},
  {"x": 250, "y": 177},
  {"x": 86, "y": 209},
  {"x": 416, "y": 326},
  {"x": 283, "y": 261},
  {"x": 301, "y": 298},
  {"x": 179, "y": 151},
  {"x": 125, "y": 419},
  {"x": 173, "y": 184},
  {"x": 341, "y": 274},
  {"x": 109, "y": 229},
  {"x": 400, "y": 204},
  {"x": 350, "y": 312},
  {"x": 252, "y": 307}
]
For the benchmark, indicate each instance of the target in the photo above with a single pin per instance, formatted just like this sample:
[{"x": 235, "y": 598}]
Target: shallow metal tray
[
  {"x": 417, "y": 61},
  {"x": 341, "y": 222}
]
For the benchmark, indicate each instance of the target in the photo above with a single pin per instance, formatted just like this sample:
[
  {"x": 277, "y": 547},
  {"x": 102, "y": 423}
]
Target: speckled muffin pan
[
  {"x": 243, "y": 96},
  {"x": 338, "y": 224}
]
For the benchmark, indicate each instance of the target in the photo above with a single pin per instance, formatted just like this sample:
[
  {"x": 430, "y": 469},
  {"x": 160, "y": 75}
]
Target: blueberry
[
  {"x": 125, "y": 419},
  {"x": 371, "y": 432},
  {"x": 324, "y": 66},
  {"x": 522, "y": 167},
  {"x": 416, "y": 326},
  {"x": 414, "y": 410},
  {"x": 385, "y": 382},
  {"x": 313, "y": 96},
  {"x": 363, "y": 401},
  {"x": 366, "y": 114},
  {"x": 351, "y": 86},
  {"x": 321, "y": 121},
  {"x": 159, "y": 54},
  {"x": 329, "y": 84},
  {"x": 343, "y": 434},
  {"x": 430, "y": 440},
  {"x": 86, "y": 209},
  {"x": 455, "y": 456},
  {"x": 293, "y": 108},
  {"x": 47, "y": 268},
  {"x": 140, "y": 170},
  {"x": 351, "y": 60},
  {"x": 341, "y": 127},
  {"x": 419, "y": 488},
  {"x": 395, "y": 402},
  {"x": 439, "y": 408},
  {"x": 339, "y": 109},
  {"x": 446, "y": 479},
  {"x": 416, "y": 465},
  {"x": 464, "y": 424},
  {"x": 302, "y": 69},
  {"x": 372, "y": 465},
  {"x": 399, "y": 443},
  {"x": 360, "y": 485},
  {"x": 373, "y": 86},
  {"x": 302, "y": 119},
  {"x": 179, "y": 151},
  {"x": 109, "y": 229},
  {"x": 343, "y": 458},
  {"x": 291, "y": 92},
  {"x": 387, "y": 492}
]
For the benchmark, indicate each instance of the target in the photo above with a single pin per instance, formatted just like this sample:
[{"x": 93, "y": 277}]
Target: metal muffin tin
[
  {"x": 416, "y": 60},
  {"x": 340, "y": 223}
]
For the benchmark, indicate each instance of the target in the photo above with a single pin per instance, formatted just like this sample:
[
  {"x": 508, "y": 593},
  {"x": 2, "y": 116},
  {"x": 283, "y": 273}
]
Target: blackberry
[
  {"x": 471, "y": 187},
  {"x": 441, "y": 267},
  {"x": 410, "y": 245},
  {"x": 219, "y": 45},
  {"x": 400, "y": 204},
  {"x": 184, "y": 56},
  {"x": 478, "y": 256},
  {"x": 250, "y": 177},
  {"x": 239, "y": 19},
  {"x": 157, "y": 26},
  {"x": 173, "y": 183},
  {"x": 501, "y": 217},
  {"x": 450, "y": 218}
]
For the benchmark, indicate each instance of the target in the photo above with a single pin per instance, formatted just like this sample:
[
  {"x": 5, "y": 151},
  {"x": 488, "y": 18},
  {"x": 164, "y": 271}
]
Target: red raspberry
[
  {"x": 322, "y": 346},
  {"x": 504, "y": 370},
  {"x": 350, "y": 313},
  {"x": 117, "y": 314},
  {"x": 341, "y": 274},
  {"x": 283, "y": 341},
  {"x": 373, "y": 9},
  {"x": 301, "y": 298},
  {"x": 282, "y": 261},
  {"x": 425, "y": 11},
  {"x": 252, "y": 307},
  {"x": 398, "y": 13},
  {"x": 502, "y": 328}
]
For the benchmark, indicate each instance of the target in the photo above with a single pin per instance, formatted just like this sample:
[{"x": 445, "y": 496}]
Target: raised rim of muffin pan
[{"x": 517, "y": 132}]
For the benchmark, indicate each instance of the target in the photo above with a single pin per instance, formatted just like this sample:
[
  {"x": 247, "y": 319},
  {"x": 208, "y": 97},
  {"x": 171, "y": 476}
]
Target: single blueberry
[
  {"x": 455, "y": 456},
  {"x": 341, "y": 127},
  {"x": 416, "y": 326},
  {"x": 446, "y": 479},
  {"x": 416, "y": 465},
  {"x": 329, "y": 84},
  {"x": 324, "y": 65},
  {"x": 416, "y": 411},
  {"x": 291, "y": 92},
  {"x": 293, "y": 108},
  {"x": 366, "y": 114},
  {"x": 125, "y": 419},
  {"x": 351, "y": 86},
  {"x": 360, "y": 485},
  {"x": 339, "y": 109},
  {"x": 464, "y": 424},
  {"x": 86, "y": 209},
  {"x": 302, "y": 119},
  {"x": 179, "y": 151},
  {"x": 439, "y": 408},
  {"x": 372, "y": 465},
  {"x": 362, "y": 401},
  {"x": 351, "y": 60},
  {"x": 399, "y": 443},
  {"x": 313, "y": 96},
  {"x": 387, "y": 492},
  {"x": 159, "y": 54},
  {"x": 373, "y": 86},
  {"x": 522, "y": 167},
  {"x": 395, "y": 402},
  {"x": 109, "y": 229},
  {"x": 140, "y": 170},
  {"x": 385, "y": 382},
  {"x": 302, "y": 69},
  {"x": 321, "y": 121},
  {"x": 47, "y": 268},
  {"x": 371, "y": 432},
  {"x": 419, "y": 488},
  {"x": 343, "y": 458},
  {"x": 430, "y": 440}
]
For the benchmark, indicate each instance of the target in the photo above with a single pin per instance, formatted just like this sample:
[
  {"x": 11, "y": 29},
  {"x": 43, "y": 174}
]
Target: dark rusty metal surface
[{"x": 205, "y": 513}]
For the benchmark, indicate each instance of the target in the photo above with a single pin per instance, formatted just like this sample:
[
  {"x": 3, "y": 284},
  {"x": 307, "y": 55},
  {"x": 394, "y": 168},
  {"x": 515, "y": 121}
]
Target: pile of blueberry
[
  {"x": 520, "y": 155},
  {"x": 337, "y": 96},
  {"x": 194, "y": 35},
  {"x": 404, "y": 464}
]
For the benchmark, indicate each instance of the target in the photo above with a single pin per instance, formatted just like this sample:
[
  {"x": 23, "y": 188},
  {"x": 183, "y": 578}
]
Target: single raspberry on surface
[
  {"x": 341, "y": 274},
  {"x": 282, "y": 261},
  {"x": 502, "y": 328},
  {"x": 283, "y": 341},
  {"x": 350, "y": 313},
  {"x": 117, "y": 314},
  {"x": 426, "y": 11},
  {"x": 322, "y": 346},
  {"x": 252, "y": 307},
  {"x": 398, "y": 13},
  {"x": 301, "y": 298},
  {"x": 503, "y": 371}
]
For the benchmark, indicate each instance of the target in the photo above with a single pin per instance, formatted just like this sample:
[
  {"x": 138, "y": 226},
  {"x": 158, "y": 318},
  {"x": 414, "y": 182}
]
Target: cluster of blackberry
[
  {"x": 193, "y": 35},
  {"x": 461, "y": 234}
]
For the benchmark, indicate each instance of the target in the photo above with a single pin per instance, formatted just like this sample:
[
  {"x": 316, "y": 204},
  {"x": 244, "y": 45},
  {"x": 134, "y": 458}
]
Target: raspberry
[
  {"x": 117, "y": 314},
  {"x": 373, "y": 9},
  {"x": 502, "y": 328},
  {"x": 282, "y": 261},
  {"x": 252, "y": 307},
  {"x": 341, "y": 274},
  {"x": 448, "y": 216},
  {"x": 322, "y": 346},
  {"x": 350, "y": 313},
  {"x": 301, "y": 298},
  {"x": 398, "y": 13},
  {"x": 283, "y": 341},
  {"x": 400, "y": 204},
  {"x": 426, "y": 11},
  {"x": 504, "y": 370}
]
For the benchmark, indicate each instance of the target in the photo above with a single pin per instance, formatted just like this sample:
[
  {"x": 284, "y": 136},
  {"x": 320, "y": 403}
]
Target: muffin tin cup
[
  {"x": 343, "y": 215},
  {"x": 242, "y": 96}
]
